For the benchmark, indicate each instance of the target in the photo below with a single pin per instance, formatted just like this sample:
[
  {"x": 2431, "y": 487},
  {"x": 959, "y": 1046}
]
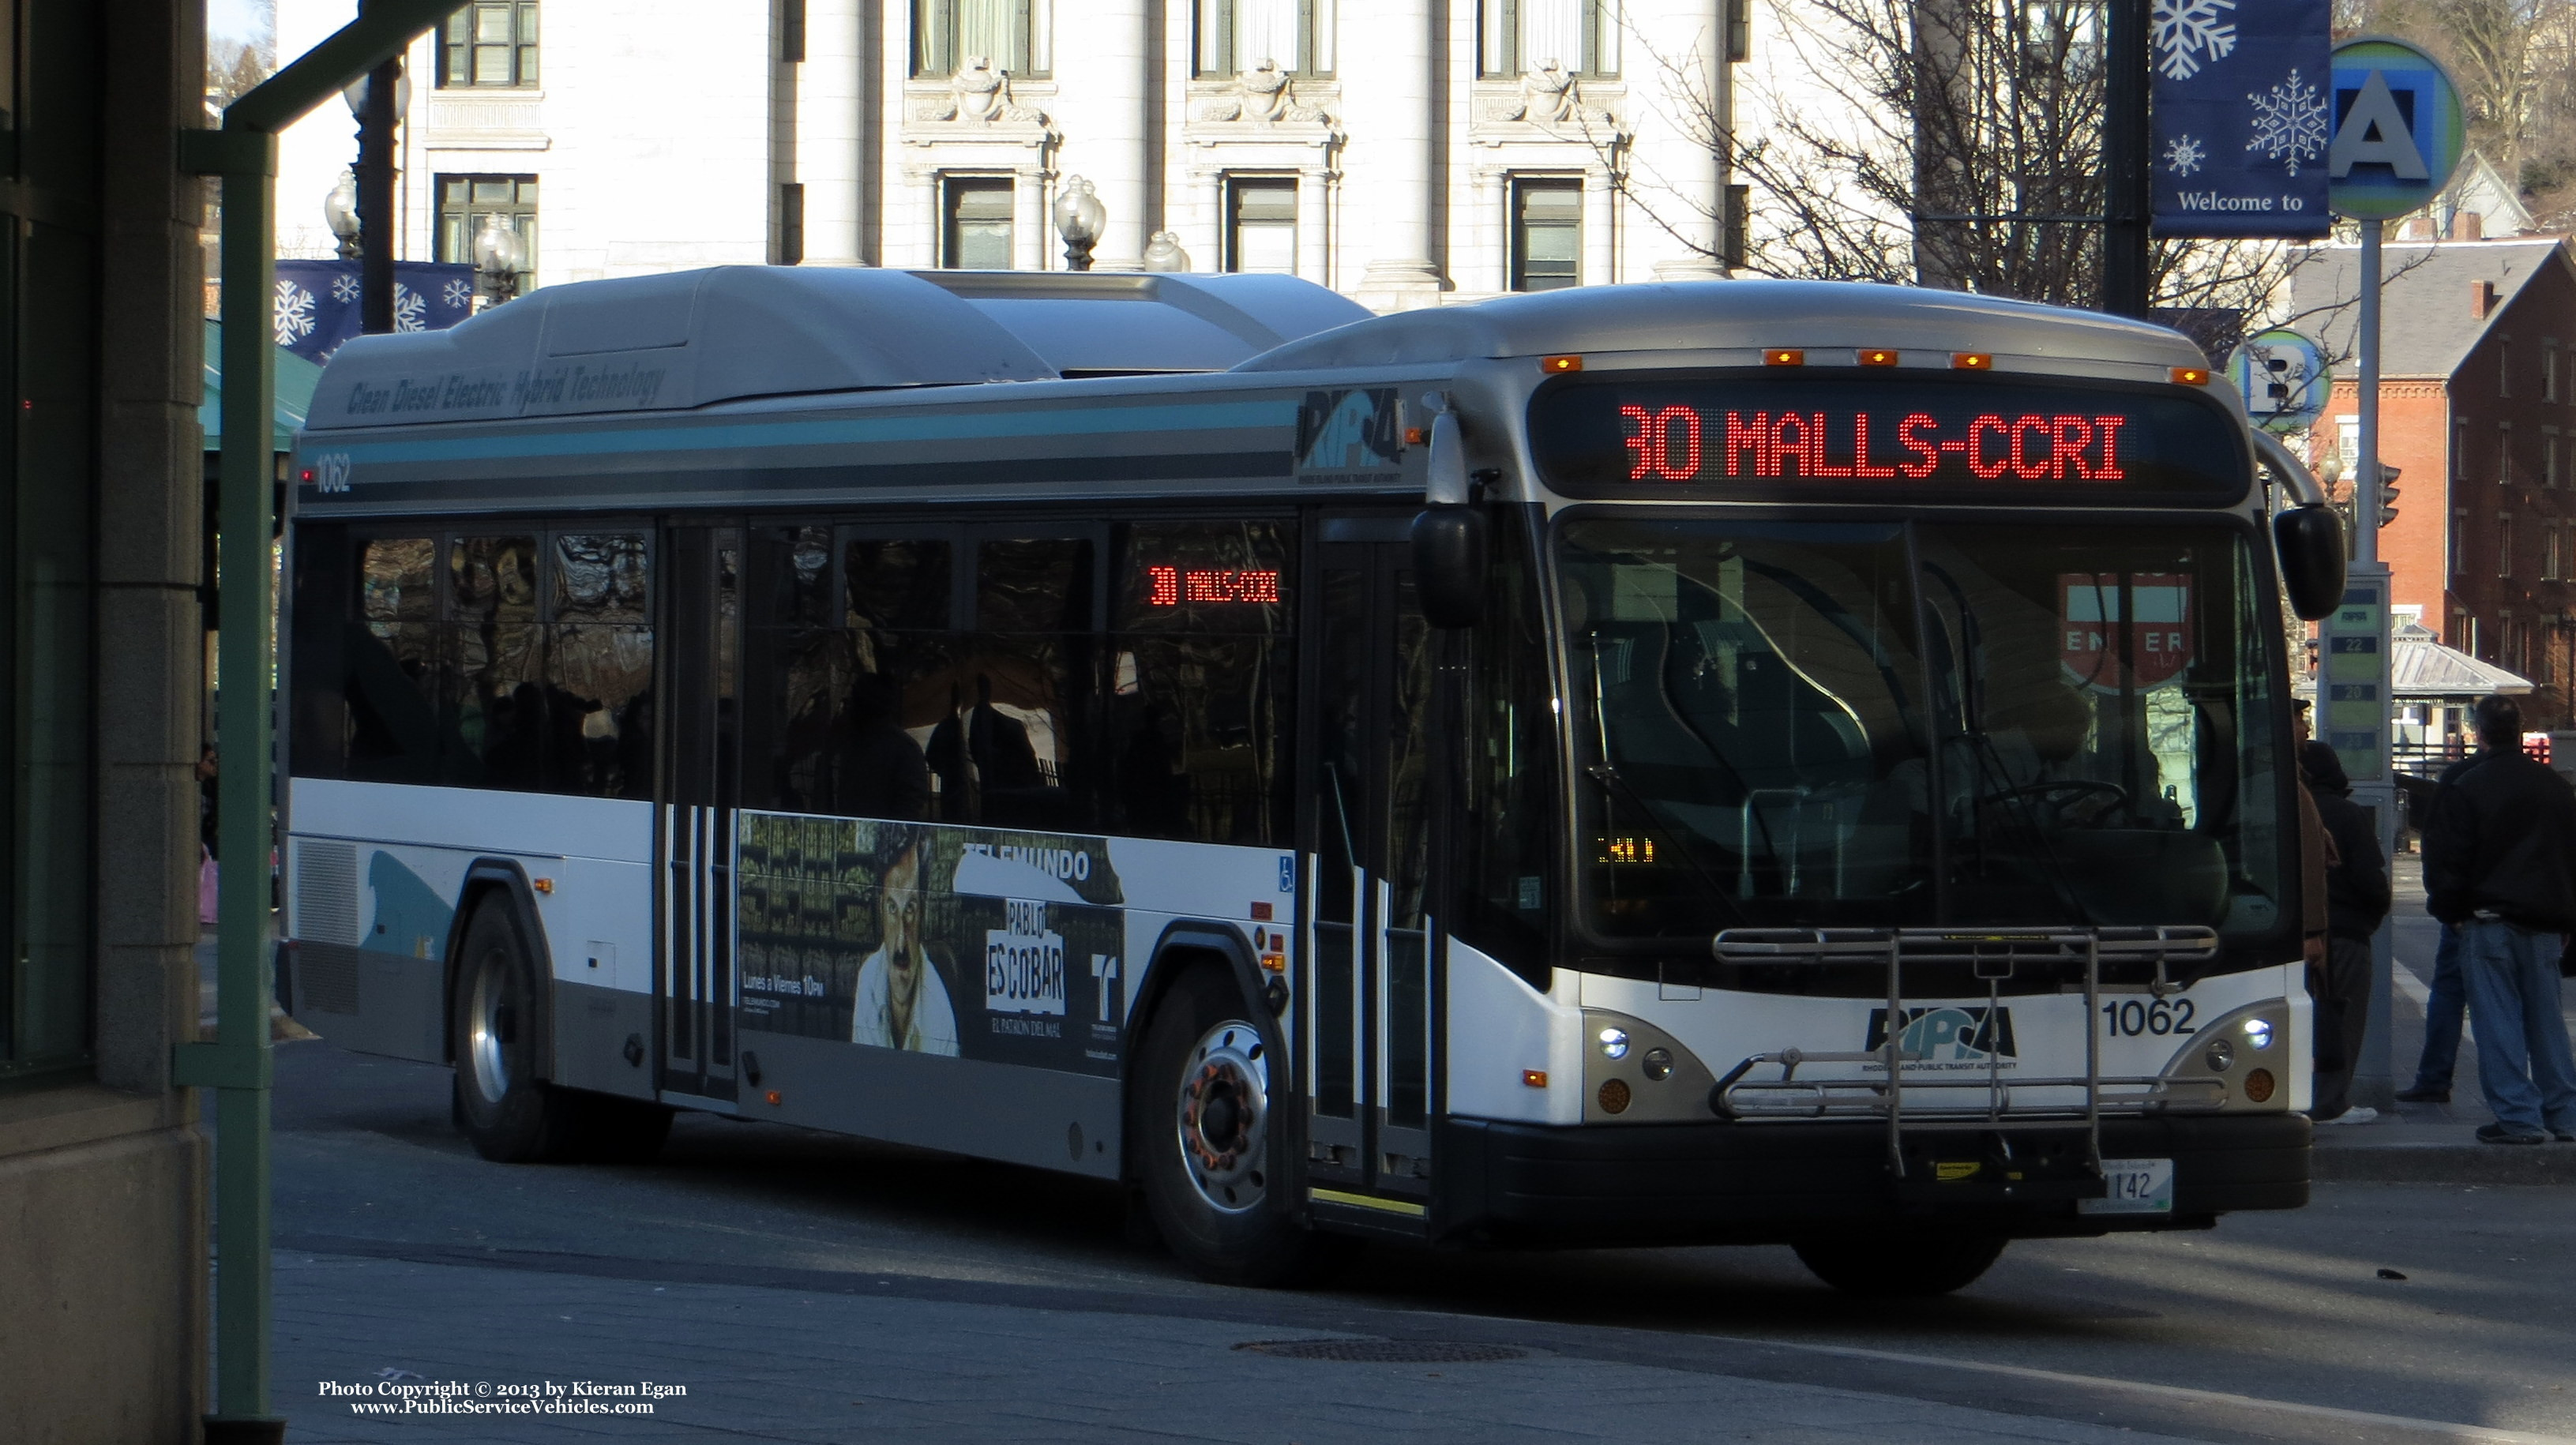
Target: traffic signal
[{"x": 2387, "y": 494}]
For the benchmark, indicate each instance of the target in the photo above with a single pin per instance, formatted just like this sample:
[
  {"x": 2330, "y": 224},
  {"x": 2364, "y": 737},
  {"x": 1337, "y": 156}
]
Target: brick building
[{"x": 2478, "y": 407}]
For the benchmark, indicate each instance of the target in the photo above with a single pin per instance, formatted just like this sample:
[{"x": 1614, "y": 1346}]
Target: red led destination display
[
  {"x": 1173, "y": 586},
  {"x": 1951, "y": 439}
]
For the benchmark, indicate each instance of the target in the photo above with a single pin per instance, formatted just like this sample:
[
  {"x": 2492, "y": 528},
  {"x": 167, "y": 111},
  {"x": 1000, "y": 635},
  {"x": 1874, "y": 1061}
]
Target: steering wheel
[{"x": 2071, "y": 788}]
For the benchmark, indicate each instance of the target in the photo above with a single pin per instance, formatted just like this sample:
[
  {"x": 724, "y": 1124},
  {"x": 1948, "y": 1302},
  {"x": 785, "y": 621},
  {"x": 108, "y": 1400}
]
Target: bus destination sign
[{"x": 1905, "y": 438}]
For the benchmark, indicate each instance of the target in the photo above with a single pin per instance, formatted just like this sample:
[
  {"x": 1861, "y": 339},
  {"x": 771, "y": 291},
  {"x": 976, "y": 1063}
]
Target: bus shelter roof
[
  {"x": 2421, "y": 668},
  {"x": 295, "y": 381}
]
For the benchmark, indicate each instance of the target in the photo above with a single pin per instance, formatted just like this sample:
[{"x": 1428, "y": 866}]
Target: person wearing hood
[{"x": 2357, "y": 897}]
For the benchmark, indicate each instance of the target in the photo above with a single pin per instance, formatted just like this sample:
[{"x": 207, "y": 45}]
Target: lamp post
[
  {"x": 1163, "y": 252},
  {"x": 377, "y": 100},
  {"x": 498, "y": 256},
  {"x": 1079, "y": 218},
  {"x": 340, "y": 211}
]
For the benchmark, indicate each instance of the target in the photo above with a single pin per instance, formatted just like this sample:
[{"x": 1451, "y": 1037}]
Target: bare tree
[{"x": 1957, "y": 144}]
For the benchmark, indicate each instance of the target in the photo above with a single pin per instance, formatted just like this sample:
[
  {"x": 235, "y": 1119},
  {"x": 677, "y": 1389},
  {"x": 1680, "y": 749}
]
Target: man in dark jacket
[
  {"x": 2356, "y": 900},
  {"x": 2500, "y": 866}
]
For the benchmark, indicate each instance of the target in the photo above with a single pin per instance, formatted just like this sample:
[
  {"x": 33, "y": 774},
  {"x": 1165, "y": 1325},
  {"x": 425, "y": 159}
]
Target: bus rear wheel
[
  {"x": 1905, "y": 1266},
  {"x": 510, "y": 1115},
  {"x": 1200, "y": 1119}
]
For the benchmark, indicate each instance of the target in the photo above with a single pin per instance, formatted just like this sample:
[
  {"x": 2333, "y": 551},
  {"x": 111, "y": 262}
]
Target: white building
[{"x": 1402, "y": 151}]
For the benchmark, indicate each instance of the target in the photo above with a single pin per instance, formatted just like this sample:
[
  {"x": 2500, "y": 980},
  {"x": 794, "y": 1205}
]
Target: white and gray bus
[{"x": 1759, "y": 762}]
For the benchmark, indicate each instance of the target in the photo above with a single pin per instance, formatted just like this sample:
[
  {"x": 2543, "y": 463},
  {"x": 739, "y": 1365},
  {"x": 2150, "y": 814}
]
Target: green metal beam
[{"x": 238, "y": 1065}]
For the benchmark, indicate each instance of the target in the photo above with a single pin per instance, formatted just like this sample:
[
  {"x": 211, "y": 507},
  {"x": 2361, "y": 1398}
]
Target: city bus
[{"x": 1730, "y": 762}]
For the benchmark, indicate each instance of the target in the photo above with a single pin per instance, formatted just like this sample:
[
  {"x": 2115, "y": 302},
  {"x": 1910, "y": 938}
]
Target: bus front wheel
[
  {"x": 1200, "y": 1118},
  {"x": 1901, "y": 1266},
  {"x": 509, "y": 1114}
]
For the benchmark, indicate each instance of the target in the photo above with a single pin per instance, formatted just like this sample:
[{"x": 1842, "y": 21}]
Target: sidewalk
[{"x": 2430, "y": 1143}]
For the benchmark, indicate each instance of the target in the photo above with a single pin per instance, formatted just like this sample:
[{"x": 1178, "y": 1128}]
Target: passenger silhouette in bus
[
  {"x": 1152, "y": 787},
  {"x": 946, "y": 756},
  {"x": 999, "y": 744},
  {"x": 902, "y": 1003},
  {"x": 880, "y": 771}
]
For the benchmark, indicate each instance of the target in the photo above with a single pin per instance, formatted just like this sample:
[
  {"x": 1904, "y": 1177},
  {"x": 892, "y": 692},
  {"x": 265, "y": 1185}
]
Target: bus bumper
[{"x": 1713, "y": 1183}]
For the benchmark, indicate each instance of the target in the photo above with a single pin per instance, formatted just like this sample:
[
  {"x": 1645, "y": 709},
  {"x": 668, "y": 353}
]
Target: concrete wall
[{"x": 103, "y": 1259}]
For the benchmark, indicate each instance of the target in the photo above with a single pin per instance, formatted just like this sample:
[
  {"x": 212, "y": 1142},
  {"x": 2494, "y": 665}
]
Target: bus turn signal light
[
  {"x": 1274, "y": 963},
  {"x": 771, "y": 1096},
  {"x": 2191, "y": 376},
  {"x": 1873, "y": 356},
  {"x": 1535, "y": 1078},
  {"x": 1971, "y": 361},
  {"x": 542, "y": 885},
  {"x": 1558, "y": 365},
  {"x": 2258, "y": 1087},
  {"x": 1784, "y": 357}
]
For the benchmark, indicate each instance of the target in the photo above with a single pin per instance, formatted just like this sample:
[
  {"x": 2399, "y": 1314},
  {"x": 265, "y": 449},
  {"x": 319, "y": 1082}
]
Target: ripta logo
[
  {"x": 1948, "y": 1034},
  {"x": 1340, "y": 431}
]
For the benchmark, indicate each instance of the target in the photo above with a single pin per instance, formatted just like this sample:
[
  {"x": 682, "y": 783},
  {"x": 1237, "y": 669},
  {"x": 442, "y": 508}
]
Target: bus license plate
[{"x": 2136, "y": 1186}]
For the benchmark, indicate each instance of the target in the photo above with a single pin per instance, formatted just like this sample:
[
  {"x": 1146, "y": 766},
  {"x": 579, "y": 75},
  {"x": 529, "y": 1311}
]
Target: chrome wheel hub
[
  {"x": 1224, "y": 1116},
  {"x": 491, "y": 1028}
]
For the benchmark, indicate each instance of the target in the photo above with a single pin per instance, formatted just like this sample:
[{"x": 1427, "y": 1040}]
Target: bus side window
[
  {"x": 902, "y": 671},
  {"x": 324, "y": 602},
  {"x": 796, "y": 670},
  {"x": 390, "y": 653},
  {"x": 1506, "y": 879},
  {"x": 492, "y": 666},
  {"x": 1201, "y": 700},
  {"x": 599, "y": 666},
  {"x": 1019, "y": 734}
]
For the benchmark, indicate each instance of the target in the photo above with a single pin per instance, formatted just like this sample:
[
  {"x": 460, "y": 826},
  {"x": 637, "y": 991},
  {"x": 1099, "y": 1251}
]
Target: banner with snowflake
[
  {"x": 317, "y": 302},
  {"x": 2242, "y": 117}
]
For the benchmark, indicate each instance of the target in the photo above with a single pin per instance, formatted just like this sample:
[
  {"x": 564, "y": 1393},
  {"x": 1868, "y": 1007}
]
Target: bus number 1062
[{"x": 2134, "y": 1018}]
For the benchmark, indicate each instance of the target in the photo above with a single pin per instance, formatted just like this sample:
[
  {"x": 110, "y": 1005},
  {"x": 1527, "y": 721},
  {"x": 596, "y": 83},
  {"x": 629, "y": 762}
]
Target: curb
[{"x": 2443, "y": 1164}]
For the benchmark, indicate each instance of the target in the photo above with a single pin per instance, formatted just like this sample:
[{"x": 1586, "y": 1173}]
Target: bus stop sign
[
  {"x": 2283, "y": 377},
  {"x": 2397, "y": 130}
]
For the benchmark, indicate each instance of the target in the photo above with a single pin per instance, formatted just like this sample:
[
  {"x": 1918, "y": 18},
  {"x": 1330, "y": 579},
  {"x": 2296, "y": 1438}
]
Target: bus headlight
[
  {"x": 2220, "y": 1056},
  {"x": 1614, "y": 1043},
  {"x": 2258, "y": 1033}
]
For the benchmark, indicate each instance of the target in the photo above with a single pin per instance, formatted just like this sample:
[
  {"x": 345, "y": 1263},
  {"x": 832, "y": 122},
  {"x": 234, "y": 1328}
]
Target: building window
[
  {"x": 2549, "y": 556},
  {"x": 465, "y": 201},
  {"x": 791, "y": 224},
  {"x": 2549, "y": 371},
  {"x": 1516, "y": 36},
  {"x": 2549, "y": 457},
  {"x": 2504, "y": 368},
  {"x": 2504, "y": 453},
  {"x": 1547, "y": 233},
  {"x": 1735, "y": 242},
  {"x": 976, "y": 230},
  {"x": 489, "y": 43},
  {"x": 1234, "y": 36},
  {"x": 1261, "y": 225},
  {"x": 2459, "y": 541},
  {"x": 791, "y": 31},
  {"x": 2459, "y": 451},
  {"x": 951, "y": 35},
  {"x": 2504, "y": 544},
  {"x": 1739, "y": 30}
]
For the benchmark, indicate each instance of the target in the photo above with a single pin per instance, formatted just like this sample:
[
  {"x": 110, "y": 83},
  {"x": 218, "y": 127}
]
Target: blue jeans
[
  {"x": 2442, "y": 1014},
  {"x": 2523, "y": 1059}
]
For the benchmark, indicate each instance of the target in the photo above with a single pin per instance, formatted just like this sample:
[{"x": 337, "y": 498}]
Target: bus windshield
[{"x": 1840, "y": 724}]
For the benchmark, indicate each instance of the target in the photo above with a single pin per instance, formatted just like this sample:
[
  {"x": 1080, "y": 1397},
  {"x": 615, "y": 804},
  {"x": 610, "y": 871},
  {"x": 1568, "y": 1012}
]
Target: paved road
[{"x": 811, "y": 1288}]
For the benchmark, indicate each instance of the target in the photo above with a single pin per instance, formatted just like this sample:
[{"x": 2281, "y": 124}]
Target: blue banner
[
  {"x": 317, "y": 302},
  {"x": 2243, "y": 116}
]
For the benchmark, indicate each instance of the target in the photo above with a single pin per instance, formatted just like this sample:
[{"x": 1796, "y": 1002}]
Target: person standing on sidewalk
[
  {"x": 2446, "y": 1002},
  {"x": 2356, "y": 901},
  {"x": 2500, "y": 866}
]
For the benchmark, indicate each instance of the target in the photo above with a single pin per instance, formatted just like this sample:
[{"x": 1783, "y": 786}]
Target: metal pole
[
  {"x": 2373, "y": 1084},
  {"x": 238, "y": 1064},
  {"x": 376, "y": 201},
  {"x": 2128, "y": 285}
]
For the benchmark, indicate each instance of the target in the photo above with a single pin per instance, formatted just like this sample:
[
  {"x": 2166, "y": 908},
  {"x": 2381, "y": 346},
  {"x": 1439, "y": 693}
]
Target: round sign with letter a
[
  {"x": 2124, "y": 631},
  {"x": 2397, "y": 130}
]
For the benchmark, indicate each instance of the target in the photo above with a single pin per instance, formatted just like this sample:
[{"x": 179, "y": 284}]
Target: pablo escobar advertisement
[{"x": 975, "y": 942}]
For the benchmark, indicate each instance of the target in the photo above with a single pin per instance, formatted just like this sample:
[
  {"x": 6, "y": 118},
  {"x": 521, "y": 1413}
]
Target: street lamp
[
  {"x": 498, "y": 256},
  {"x": 377, "y": 99},
  {"x": 355, "y": 93},
  {"x": 1079, "y": 217},
  {"x": 340, "y": 211},
  {"x": 1164, "y": 253}
]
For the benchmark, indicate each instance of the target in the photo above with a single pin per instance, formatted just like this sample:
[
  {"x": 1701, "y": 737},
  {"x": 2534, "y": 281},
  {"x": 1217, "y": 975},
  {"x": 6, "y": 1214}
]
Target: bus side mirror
[
  {"x": 2310, "y": 541},
  {"x": 1449, "y": 564}
]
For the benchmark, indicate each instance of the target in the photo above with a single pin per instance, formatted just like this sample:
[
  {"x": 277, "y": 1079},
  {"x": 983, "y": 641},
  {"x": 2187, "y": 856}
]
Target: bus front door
[
  {"x": 1368, "y": 1010},
  {"x": 699, "y": 786}
]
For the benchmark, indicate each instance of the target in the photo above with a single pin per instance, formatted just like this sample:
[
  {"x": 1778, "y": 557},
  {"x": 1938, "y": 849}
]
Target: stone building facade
[{"x": 1404, "y": 152}]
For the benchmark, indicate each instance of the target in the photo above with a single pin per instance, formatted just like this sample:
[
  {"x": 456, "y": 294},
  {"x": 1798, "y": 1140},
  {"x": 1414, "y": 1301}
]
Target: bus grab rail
[{"x": 1993, "y": 954}]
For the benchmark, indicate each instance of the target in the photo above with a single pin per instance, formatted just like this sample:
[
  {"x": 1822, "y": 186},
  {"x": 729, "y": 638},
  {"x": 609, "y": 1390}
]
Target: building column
[
  {"x": 1681, "y": 176},
  {"x": 831, "y": 99},
  {"x": 1033, "y": 240},
  {"x": 1388, "y": 89},
  {"x": 1100, "y": 62},
  {"x": 1600, "y": 249},
  {"x": 1483, "y": 256},
  {"x": 1313, "y": 227}
]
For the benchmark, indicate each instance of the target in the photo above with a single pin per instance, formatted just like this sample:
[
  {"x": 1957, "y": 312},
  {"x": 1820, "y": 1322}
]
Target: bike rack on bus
[{"x": 1992, "y": 955}]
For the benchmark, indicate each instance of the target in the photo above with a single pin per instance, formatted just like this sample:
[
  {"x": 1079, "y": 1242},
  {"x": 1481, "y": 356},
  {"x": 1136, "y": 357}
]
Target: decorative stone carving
[
  {"x": 977, "y": 95},
  {"x": 1263, "y": 95},
  {"x": 1548, "y": 98}
]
